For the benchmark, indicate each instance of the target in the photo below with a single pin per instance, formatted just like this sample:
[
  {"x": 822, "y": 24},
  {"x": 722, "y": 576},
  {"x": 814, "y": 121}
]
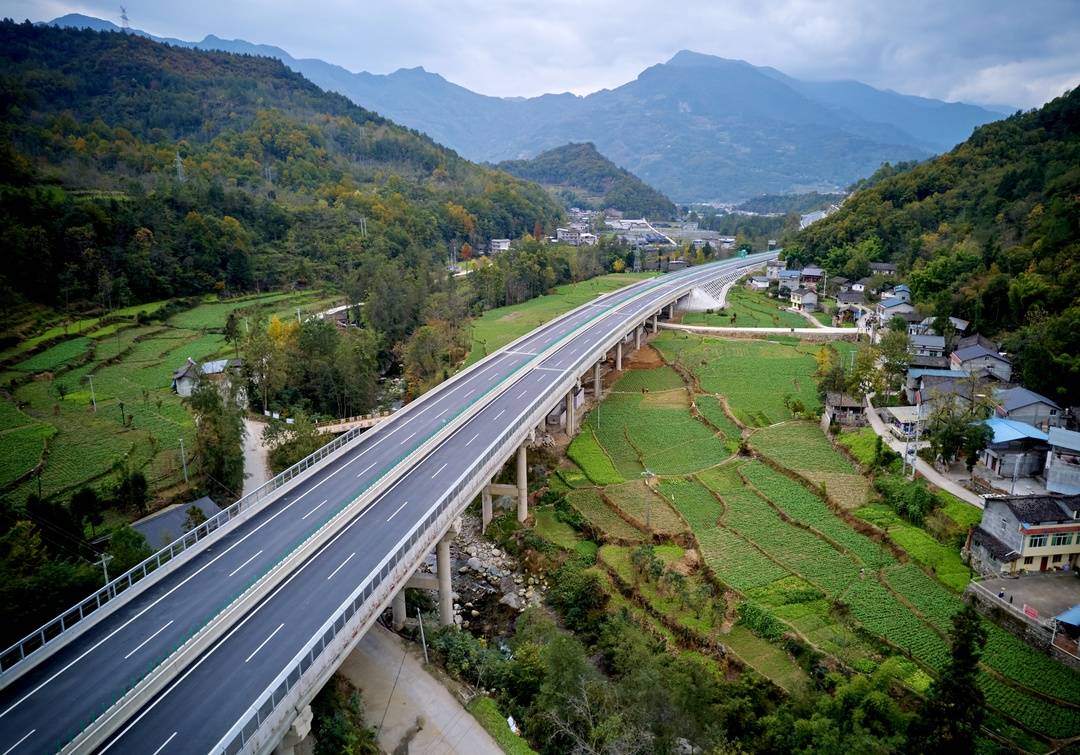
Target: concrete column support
[
  {"x": 485, "y": 508},
  {"x": 397, "y": 606},
  {"x": 618, "y": 356},
  {"x": 671, "y": 311},
  {"x": 637, "y": 338},
  {"x": 297, "y": 733},
  {"x": 446, "y": 590},
  {"x": 570, "y": 419},
  {"x": 655, "y": 327},
  {"x": 523, "y": 484},
  {"x": 597, "y": 386}
]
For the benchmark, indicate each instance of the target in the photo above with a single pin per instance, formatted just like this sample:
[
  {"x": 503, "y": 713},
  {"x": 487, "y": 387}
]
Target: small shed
[{"x": 843, "y": 409}]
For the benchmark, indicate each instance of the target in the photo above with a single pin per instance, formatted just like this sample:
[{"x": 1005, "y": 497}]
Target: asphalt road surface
[{"x": 50, "y": 704}]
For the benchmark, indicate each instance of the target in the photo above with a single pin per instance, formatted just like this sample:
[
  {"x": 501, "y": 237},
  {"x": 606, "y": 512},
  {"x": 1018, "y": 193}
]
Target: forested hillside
[
  {"x": 585, "y": 178},
  {"x": 131, "y": 171},
  {"x": 989, "y": 232}
]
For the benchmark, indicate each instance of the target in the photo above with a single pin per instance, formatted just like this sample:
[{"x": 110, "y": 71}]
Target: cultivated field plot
[
  {"x": 861, "y": 443},
  {"x": 645, "y": 508},
  {"x": 942, "y": 560},
  {"x": 713, "y": 412},
  {"x": 733, "y": 560},
  {"x": 755, "y": 376},
  {"x": 498, "y": 327},
  {"x": 641, "y": 429},
  {"x": 765, "y": 658},
  {"x": 752, "y": 309},
  {"x": 602, "y": 518},
  {"x": 139, "y": 419},
  {"x": 802, "y": 446}
]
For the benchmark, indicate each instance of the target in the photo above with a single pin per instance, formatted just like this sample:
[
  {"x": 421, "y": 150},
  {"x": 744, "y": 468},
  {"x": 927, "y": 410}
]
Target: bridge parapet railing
[
  {"x": 66, "y": 621},
  {"x": 252, "y": 733}
]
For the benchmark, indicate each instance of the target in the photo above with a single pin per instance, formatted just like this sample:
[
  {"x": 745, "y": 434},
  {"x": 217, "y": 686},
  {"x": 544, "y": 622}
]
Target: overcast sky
[{"x": 1008, "y": 52}]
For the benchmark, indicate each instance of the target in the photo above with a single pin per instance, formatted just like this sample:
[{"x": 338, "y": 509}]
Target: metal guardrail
[
  {"x": 66, "y": 621},
  {"x": 139, "y": 682},
  {"x": 292, "y": 678},
  {"x": 53, "y": 629}
]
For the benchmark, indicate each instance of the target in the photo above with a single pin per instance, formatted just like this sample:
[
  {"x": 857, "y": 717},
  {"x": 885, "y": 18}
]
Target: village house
[
  {"x": 888, "y": 308},
  {"x": 902, "y": 420},
  {"x": 1027, "y": 406},
  {"x": 862, "y": 286},
  {"x": 812, "y": 275},
  {"x": 804, "y": 300},
  {"x": 789, "y": 280},
  {"x": 184, "y": 379},
  {"x": 887, "y": 269},
  {"x": 1016, "y": 450},
  {"x": 1026, "y": 533},
  {"x": 843, "y": 409},
  {"x": 499, "y": 245},
  {"x": 758, "y": 282},
  {"x": 927, "y": 346},
  {"x": 972, "y": 358},
  {"x": 571, "y": 236},
  {"x": 839, "y": 284},
  {"x": 773, "y": 268},
  {"x": 1062, "y": 470}
]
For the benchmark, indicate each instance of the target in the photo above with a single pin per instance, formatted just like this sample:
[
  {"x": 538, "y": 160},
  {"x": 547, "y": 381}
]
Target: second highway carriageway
[{"x": 307, "y": 570}]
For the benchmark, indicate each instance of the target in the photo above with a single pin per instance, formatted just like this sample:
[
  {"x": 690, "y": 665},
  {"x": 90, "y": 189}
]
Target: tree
[
  {"x": 289, "y": 443},
  {"x": 865, "y": 377},
  {"x": 949, "y": 720},
  {"x": 127, "y": 548},
  {"x": 86, "y": 506},
  {"x": 219, "y": 435},
  {"x": 895, "y": 356},
  {"x": 194, "y": 516},
  {"x": 132, "y": 490},
  {"x": 232, "y": 331},
  {"x": 264, "y": 363}
]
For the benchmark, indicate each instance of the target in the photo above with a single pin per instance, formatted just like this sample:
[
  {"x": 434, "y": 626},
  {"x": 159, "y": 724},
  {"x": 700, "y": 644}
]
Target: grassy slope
[{"x": 498, "y": 327}]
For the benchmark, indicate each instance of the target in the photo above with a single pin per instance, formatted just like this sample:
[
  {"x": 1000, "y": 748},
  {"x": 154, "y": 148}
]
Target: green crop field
[
  {"x": 212, "y": 314},
  {"x": 639, "y": 428},
  {"x": 56, "y": 356},
  {"x": 803, "y": 447},
  {"x": 711, "y": 410},
  {"x": 498, "y": 327},
  {"x": 861, "y": 443},
  {"x": 602, "y": 518},
  {"x": 755, "y": 376},
  {"x": 942, "y": 560},
  {"x": 23, "y": 447},
  {"x": 752, "y": 309},
  {"x": 648, "y": 510}
]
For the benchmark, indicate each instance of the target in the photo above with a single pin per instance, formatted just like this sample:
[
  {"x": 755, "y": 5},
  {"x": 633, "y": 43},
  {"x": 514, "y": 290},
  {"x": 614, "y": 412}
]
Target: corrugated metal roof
[
  {"x": 1064, "y": 438},
  {"x": 1006, "y": 430},
  {"x": 1018, "y": 397}
]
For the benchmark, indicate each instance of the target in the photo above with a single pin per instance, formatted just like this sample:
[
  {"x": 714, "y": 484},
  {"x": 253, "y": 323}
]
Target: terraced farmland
[{"x": 602, "y": 518}]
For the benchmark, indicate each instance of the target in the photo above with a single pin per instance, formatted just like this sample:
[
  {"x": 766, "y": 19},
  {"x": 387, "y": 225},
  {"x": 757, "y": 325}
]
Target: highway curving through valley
[{"x": 51, "y": 703}]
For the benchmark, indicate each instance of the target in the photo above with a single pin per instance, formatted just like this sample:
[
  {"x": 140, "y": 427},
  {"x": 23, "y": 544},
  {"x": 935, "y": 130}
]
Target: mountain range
[{"x": 697, "y": 127}]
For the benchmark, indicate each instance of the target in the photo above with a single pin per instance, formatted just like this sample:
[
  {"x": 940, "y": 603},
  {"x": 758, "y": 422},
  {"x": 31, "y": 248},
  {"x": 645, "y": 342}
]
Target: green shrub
[
  {"x": 759, "y": 621},
  {"x": 909, "y": 499}
]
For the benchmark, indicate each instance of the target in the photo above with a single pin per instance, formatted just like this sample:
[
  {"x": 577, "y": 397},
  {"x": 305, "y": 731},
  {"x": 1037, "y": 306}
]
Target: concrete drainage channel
[{"x": 109, "y": 721}]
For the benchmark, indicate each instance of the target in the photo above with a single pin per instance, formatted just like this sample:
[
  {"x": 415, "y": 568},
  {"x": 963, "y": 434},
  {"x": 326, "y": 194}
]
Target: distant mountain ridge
[
  {"x": 583, "y": 177},
  {"x": 698, "y": 127}
]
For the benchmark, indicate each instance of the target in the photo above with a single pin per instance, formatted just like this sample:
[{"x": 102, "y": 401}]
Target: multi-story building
[
  {"x": 1063, "y": 461},
  {"x": 1026, "y": 533}
]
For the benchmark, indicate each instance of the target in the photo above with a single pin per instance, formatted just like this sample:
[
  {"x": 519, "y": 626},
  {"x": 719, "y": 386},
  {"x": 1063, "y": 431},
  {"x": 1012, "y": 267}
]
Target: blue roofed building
[{"x": 1017, "y": 449}]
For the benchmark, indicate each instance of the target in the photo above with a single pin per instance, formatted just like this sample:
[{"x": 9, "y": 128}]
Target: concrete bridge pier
[
  {"x": 618, "y": 356},
  {"x": 655, "y": 325},
  {"x": 485, "y": 508},
  {"x": 671, "y": 311},
  {"x": 597, "y": 386},
  {"x": 522, "y": 484},
  {"x": 297, "y": 733},
  {"x": 571, "y": 420},
  {"x": 637, "y": 338},
  {"x": 446, "y": 590},
  {"x": 397, "y": 607}
]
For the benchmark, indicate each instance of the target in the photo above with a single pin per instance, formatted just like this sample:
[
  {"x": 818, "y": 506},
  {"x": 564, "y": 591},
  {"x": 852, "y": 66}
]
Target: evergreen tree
[{"x": 949, "y": 719}]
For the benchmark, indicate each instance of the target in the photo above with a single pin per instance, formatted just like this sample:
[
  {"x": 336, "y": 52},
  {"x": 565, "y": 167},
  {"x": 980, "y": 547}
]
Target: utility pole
[
  {"x": 93, "y": 399},
  {"x": 105, "y": 559},
  {"x": 183, "y": 459}
]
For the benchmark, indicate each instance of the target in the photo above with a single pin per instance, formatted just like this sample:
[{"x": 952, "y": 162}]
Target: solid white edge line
[
  {"x": 24, "y": 738},
  {"x": 155, "y": 634},
  {"x": 335, "y": 571},
  {"x": 263, "y": 643},
  {"x": 165, "y": 743},
  {"x": 241, "y": 566}
]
